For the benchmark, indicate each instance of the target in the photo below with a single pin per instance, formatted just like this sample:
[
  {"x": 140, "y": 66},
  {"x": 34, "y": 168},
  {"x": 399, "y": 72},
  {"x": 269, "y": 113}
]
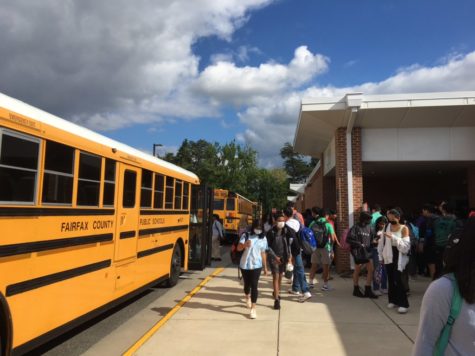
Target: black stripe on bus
[
  {"x": 127, "y": 234},
  {"x": 155, "y": 250},
  {"x": 162, "y": 229},
  {"x": 163, "y": 212},
  {"x": 16, "y": 212},
  {"x": 28, "y": 247},
  {"x": 39, "y": 282}
]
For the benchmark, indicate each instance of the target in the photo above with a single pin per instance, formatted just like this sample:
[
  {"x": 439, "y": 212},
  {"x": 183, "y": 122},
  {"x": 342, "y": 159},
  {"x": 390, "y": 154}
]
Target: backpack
[
  {"x": 235, "y": 254},
  {"x": 307, "y": 240},
  {"x": 443, "y": 228},
  {"x": 321, "y": 233},
  {"x": 455, "y": 307}
]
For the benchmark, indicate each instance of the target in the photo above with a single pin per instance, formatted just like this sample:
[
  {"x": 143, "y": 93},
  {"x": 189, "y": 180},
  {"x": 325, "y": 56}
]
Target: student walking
[
  {"x": 252, "y": 261},
  {"x": 278, "y": 254},
  {"x": 447, "y": 319},
  {"x": 360, "y": 238},
  {"x": 393, "y": 248},
  {"x": 216, "y": 237}
]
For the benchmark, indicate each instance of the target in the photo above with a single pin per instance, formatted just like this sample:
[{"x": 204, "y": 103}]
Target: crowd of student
[{"x": 391, "y": 247}]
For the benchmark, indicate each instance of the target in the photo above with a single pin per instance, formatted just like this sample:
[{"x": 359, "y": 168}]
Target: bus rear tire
[{"x": 175, "y": 267}]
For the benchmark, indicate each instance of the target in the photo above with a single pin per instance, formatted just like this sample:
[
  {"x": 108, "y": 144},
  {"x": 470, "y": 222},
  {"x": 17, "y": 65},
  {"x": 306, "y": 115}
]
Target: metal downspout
[{"x": 349, "y": 164}]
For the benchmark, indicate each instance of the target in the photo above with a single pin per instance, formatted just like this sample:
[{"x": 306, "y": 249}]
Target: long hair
[{"x": 459, "y": 259}]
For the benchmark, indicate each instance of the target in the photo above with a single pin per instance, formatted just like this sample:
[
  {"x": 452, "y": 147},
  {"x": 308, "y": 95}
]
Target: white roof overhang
[{"x": 319, "y": 118}]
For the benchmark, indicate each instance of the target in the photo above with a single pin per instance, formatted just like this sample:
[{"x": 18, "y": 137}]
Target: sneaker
[
  {"x": 253, "y": 314},
  {"x": 384, "y": 291},
  {"x": 402, "y": 310},
  {"x": 357, "y": 292},
  {"x": 248, "y": 303},
  {"x": 291, "y": 291},
  {"x": 368, "y": 293},
  {"x": 305, "y": 296},
  {"x": 311, "y": 285},
  {"x": 378, "y": 293},
  {"x": 391, "y": 306},
  {"x": 277, "y": 304},
  {"x": 326, "y": 288}
]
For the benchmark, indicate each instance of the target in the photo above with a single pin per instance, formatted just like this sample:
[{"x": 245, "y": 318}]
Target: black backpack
[
  {"x": 322, "y": 235},
  {"x": 235, "y": 254}
]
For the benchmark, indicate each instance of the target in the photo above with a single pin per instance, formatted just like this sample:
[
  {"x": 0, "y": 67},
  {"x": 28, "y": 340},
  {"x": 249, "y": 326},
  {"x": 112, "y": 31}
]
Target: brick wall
[{"x": 341, "y": 184}]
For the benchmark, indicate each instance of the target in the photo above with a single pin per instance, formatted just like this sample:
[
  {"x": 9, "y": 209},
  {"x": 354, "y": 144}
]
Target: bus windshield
[
  {"x": 218, "y": 204},
  {"x": 230, "y": 204}
]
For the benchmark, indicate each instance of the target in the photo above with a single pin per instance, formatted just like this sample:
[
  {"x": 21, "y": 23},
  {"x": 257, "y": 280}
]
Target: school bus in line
[
  {"x": 85, "y": 222},
  {"x": 234, "y": 210}
]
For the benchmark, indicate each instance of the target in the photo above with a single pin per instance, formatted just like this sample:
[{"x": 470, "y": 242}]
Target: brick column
[{"x": 341, "y": 177}]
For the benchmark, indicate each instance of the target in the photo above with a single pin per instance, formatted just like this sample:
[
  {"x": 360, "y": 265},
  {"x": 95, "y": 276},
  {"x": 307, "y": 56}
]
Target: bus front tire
[{"x": 175, "y": 267}]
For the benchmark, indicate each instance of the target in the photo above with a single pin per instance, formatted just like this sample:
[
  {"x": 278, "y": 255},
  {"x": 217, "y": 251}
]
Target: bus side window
[
  {"x": 169, "y": 193},
  {"x": 58, "y": 174},
  {"x": 158, "y": 191},
  {"x": 178, "y": 194},
  {"x": 109, "y": 183},
  {"x": 186, "y": 195},
  {"x": 89, "y": 182},
  {"x": 146, "y": 190},
  {"x": 18, "y": 167}
]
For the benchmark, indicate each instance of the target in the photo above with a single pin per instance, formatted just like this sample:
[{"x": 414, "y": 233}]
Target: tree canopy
[{"x": 297, "y": 168}]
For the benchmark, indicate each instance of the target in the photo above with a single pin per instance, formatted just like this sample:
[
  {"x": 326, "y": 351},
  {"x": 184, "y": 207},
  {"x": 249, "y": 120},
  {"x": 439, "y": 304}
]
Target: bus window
[
  {"x": 89, "y": 182},
  {"x": 186, "y": 195},
  {"x": 218, "y": 204},
  {"x": 158, "y": 194},
  {"x": 230, "y": 204},
  {"x": 169, "y": 193},
  {"x": 130, "y": 182},
  {"x": 178, "y": 194},
  {"x": 18, "y": 168},
  {"x": 146, "y": 191},
  {"x": 109, "y": 183},
  {"x": 58, "y": 173}
]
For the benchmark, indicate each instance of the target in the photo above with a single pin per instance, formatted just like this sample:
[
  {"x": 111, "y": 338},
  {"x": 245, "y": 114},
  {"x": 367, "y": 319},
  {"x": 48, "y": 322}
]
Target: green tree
[{"x": 295, "y": 165}]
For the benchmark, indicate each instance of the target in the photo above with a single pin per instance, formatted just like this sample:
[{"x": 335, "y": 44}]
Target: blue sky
[{"x": 224, "y": 70}]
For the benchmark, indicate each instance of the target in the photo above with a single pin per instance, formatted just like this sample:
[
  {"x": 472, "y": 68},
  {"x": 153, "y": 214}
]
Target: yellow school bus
[
  {"x": 85, "y": 222},
  {"x": 234, "y": 210}
]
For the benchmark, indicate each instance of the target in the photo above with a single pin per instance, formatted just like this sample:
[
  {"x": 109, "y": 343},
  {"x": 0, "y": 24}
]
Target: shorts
[
  {"x": 321, "y": 256},
  {"x": 276, "y": 268}
]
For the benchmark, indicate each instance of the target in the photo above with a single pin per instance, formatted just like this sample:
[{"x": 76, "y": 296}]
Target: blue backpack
[{"x": 308, "y": 243}]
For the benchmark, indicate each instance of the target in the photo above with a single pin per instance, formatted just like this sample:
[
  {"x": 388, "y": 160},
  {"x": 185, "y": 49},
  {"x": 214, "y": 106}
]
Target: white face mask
[
  {"x": 257, "y": 231},
  {"x": 280, "y": 224}
]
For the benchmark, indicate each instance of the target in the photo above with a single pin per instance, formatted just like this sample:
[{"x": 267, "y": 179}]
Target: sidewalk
[{"x": 216, "y": 322}]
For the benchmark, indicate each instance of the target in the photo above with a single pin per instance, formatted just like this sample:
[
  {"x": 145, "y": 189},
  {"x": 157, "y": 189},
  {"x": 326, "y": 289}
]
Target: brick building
[{"x": 395, "y": 150}]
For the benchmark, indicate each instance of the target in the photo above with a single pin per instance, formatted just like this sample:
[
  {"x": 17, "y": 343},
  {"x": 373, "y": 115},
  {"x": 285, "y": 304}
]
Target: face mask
[
  {"x": 280, "y": 225},
  {"x": 393, "y": 222},
  {"x": 257, "y": 231}
]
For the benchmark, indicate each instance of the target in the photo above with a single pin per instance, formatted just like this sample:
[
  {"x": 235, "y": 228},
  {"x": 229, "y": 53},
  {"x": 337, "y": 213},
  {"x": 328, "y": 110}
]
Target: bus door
[{"x": 127, "y": 213}]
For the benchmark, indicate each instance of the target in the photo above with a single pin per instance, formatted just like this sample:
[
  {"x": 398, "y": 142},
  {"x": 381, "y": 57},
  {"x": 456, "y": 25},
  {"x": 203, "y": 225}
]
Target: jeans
[
  {"x": 383, "y": 283},
  {"x": 299, "y": 283}
]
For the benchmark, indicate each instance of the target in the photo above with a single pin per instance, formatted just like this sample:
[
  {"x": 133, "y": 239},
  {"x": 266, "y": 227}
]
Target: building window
[
  {"x": 178, "y": 194},
  {"x": 89, "y": 182},
  {"x": 146, "y": 190},
  {"x": 169, "y": 193},
  {"x": 130, "y": 185},
  {"x": 186, "y": 195},
  {"x": 18, "y": 167},
  {"x": 58, "y": 174},
  {"x": 158, "y": 192},
  {"x": 109, "y": 183}
]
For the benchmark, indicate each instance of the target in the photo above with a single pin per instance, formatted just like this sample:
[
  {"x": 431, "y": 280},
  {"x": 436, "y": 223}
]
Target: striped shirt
[{"x": 251, "y": 257}]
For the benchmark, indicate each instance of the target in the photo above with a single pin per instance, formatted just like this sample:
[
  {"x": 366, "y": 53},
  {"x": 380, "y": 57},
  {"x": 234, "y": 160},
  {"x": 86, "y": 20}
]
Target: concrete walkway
[{"x": 216, "y": 322}]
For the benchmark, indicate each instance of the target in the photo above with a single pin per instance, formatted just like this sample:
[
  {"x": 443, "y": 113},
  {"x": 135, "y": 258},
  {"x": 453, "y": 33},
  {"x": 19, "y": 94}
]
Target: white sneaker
[
  {"x": 391, "y": 305},
  {"x": 384, "y": 291},
  {"x": 326, "y": 288},
  {"x": 402, "y": 310},
  {"x": 253, "y": 313},
  {"x": 305, "y": 296},
  {"x": 294, "y": 292},
  {"x": 378, "y": 293},
  {"x": 248, "y": 303}
]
